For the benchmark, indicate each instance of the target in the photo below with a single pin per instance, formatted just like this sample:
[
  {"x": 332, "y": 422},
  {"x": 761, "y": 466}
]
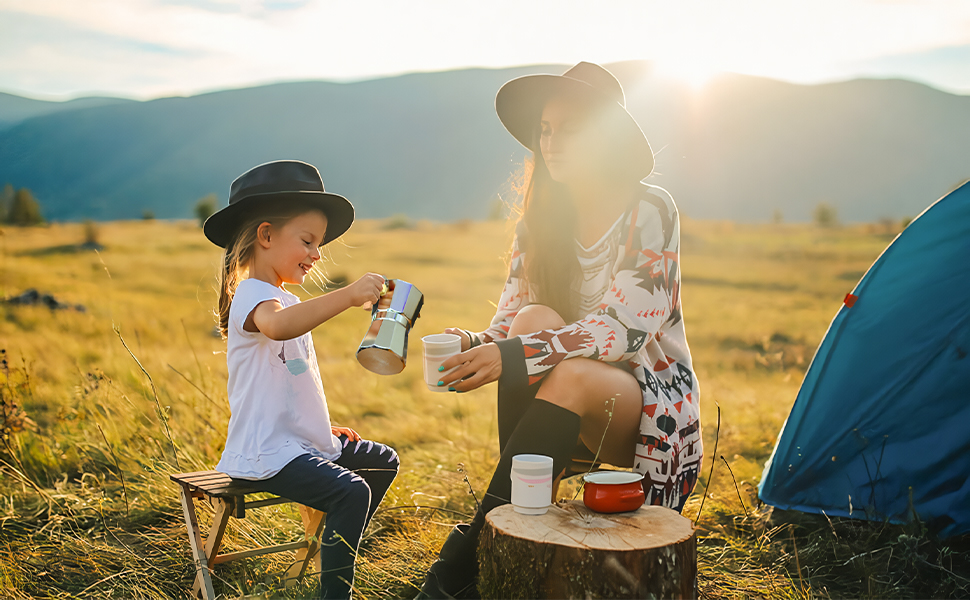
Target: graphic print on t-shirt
[{"x": 294, "y": 364}]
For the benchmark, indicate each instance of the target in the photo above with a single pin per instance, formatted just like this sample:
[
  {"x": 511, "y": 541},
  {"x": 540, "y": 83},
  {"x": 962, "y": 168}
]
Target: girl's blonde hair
[{"x": 239, "y": 253}]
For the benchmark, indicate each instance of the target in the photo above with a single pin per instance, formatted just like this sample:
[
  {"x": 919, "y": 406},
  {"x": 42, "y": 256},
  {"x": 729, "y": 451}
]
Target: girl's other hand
[
  {"x": 465, "y": 342},
  {"x": 475, "y": 367},
  {"x": 347, "y": 431},
  {"x": 366, "y": 290}
]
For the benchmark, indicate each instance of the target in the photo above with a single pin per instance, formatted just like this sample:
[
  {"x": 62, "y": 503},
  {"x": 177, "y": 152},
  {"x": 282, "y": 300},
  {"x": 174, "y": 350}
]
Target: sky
[{"x": 61, "y": 49}]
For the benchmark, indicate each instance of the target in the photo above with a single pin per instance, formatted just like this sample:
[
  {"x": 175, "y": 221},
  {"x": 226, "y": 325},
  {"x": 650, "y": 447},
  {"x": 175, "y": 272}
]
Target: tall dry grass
[{"x": 100, "y": 406}]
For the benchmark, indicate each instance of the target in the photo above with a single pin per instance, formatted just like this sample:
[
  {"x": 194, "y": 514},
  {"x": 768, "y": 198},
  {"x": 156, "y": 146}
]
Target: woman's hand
[
  {"x": 481, "y": 365},
  {"x": 347, "y": 431},
  {"x": 466, "y": 343},
  {"x": 366, "y": 290}
]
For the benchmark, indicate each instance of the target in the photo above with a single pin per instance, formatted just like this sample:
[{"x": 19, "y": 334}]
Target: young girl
[{"x": 280, "y": 437}]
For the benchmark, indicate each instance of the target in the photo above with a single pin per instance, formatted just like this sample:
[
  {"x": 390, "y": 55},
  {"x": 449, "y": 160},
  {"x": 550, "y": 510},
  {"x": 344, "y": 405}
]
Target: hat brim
[
  {"x": 221, "y": 227},
  {"x": 519, "y": 105}
]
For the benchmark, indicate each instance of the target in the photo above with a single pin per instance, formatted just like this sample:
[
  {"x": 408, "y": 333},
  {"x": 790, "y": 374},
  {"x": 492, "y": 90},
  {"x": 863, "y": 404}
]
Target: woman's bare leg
[{"x": 591, "y": 389}]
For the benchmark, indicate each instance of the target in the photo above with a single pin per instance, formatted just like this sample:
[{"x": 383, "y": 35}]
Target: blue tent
[{"x": 880, "y": 428}]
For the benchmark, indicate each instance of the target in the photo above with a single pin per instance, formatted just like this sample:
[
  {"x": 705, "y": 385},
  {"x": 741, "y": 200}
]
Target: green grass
[{"x": 87, "y": 510}]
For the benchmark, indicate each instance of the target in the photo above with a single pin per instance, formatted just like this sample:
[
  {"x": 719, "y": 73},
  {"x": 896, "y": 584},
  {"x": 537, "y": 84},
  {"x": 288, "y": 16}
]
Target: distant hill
[
  {"x": 429, "y": 145},
  {"x": 14, "y": 109}
]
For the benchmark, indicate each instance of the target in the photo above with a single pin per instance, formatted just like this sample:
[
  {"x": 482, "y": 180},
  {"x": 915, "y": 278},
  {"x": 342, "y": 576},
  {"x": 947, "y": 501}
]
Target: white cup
[
  {"x": 531, "y": 483},
  {"x": 438, "y": 348}
]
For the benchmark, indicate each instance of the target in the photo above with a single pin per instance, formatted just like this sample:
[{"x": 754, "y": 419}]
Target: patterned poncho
[{"x": 639, "y": 321}]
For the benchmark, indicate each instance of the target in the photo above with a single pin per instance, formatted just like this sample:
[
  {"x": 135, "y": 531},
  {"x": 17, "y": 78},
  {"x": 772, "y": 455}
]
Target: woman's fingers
[
  {"x": 472, "y": 383},
  {"x": 482, "y": 374},
  {"x": 479, "y": 365},
  {"x": 457, "y": 359},
  {"x": 463, "y": 370},
  {"x": 465, "y": 342}
]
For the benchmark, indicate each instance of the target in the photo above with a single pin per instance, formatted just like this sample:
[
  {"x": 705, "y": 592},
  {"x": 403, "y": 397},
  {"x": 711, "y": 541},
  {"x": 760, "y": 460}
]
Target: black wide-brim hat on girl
[
  {"x": 519, "y": 105},
  {"x": 278, "y": 182}
]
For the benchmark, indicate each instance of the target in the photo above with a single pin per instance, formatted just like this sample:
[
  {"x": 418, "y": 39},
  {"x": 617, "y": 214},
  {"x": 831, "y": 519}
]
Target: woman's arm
[
  {"x": 278, "y": 323},
  {"x": 643, "y": 297}
]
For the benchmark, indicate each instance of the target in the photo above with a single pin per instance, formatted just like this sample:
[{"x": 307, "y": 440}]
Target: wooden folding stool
[{"x": 228, "y": 497}]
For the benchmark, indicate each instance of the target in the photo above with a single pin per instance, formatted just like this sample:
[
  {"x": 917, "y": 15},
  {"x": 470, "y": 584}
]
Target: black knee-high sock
[
  {"x": 546, "y": 429},
  {"x": 513, "y": 401}
]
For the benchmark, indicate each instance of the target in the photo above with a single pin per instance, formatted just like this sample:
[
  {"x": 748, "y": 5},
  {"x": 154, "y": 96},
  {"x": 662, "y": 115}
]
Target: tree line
[{"x": 19, "y": 207}]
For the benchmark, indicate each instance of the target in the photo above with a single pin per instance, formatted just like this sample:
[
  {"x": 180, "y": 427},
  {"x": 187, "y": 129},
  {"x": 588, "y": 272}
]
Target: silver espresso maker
[{"x": 385, "y": 346}]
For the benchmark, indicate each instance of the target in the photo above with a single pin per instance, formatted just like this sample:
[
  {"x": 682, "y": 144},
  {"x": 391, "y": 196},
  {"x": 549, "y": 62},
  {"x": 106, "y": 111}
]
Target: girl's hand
[
  {"x": 481, "y": 365},
  {"x": 465, "y": 342},
  {"x": 347, "y": 431},
  {"x": 366, "y": 290}
]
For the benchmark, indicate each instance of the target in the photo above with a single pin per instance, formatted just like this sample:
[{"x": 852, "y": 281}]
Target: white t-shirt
[{"x": 279, "y": 410}]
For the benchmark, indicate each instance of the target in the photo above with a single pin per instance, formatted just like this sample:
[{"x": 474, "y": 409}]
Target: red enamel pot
[{"x": 613, "y": 491}]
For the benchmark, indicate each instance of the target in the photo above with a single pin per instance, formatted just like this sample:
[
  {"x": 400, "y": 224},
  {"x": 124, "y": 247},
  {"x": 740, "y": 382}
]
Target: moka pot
[{"x": 384, "y": 349}]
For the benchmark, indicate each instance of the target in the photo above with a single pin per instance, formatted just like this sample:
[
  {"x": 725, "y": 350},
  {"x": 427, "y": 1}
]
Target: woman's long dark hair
[{"x": 552, "y": 269}]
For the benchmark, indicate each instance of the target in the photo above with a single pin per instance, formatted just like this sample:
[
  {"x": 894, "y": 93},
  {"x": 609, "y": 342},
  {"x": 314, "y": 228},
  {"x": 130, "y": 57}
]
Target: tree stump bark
[{"x": 573, "y": 552}]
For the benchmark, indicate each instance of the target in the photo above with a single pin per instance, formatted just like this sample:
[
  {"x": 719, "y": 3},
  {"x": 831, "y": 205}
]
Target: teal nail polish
[
  {"x": 441, "y": 368},
  {"x": 441, "y": 383},
  {"x": 451, "y": 389}
]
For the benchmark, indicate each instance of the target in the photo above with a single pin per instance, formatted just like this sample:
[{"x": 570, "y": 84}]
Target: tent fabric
[{"x": 880, "y": 428}]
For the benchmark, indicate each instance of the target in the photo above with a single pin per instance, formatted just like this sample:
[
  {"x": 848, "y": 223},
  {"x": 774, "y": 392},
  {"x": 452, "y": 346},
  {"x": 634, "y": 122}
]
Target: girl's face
[
  {"x": 292, "y": 249},
  {"x": 574, "y": 144}
]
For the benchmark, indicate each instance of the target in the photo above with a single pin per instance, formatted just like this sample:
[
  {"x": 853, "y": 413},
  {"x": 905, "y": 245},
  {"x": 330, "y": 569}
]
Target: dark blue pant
[{"x": 348, "y": 489}]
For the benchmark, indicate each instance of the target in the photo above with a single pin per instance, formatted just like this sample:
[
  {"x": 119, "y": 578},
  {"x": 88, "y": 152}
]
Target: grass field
[{"x": 87, "y": 510}]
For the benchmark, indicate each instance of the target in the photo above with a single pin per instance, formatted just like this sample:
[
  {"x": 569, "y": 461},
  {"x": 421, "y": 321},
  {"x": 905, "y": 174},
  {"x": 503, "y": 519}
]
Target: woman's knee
[
  {"x": 535, "y": 317},
  {"x": 567, "y": 385},
  {"x": 582, "y": 384}
]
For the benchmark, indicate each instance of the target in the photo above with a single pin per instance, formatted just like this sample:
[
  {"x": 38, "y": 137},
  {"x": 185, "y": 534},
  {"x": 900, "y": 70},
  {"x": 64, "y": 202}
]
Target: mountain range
[{"x": 429, "y": 145}]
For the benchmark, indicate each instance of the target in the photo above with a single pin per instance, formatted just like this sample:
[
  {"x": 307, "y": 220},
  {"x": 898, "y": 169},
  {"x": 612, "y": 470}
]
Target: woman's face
[{"x": 573, "y": 142}]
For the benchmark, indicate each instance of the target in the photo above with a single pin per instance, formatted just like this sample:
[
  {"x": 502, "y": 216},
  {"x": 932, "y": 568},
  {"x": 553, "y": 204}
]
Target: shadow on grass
[
  {"x": 741, "y": 285},
  {"x": 851, "y": 558},
  {"x": 61, "y": 249}
]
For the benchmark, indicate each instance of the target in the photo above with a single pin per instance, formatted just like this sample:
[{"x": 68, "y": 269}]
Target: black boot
[
  {"x": 455, "y": 573},
  {"x": 546, "y": 429}
]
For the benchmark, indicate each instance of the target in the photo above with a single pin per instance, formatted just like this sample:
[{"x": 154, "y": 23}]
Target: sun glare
[{"x": 695, "y": 73}]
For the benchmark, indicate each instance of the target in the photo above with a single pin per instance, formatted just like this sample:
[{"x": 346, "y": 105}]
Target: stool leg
[
  {"x": 202, "y": 577},
  {"x": 314, "y": 547},
  {"x": 313, "y": 526},
  {"x": 213, "y": 542}
]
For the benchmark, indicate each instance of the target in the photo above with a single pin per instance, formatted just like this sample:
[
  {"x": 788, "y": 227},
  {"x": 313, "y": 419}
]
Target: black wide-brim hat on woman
[
  {"x": 519, "y": 105},
  {"x": 277, "y": 183}
]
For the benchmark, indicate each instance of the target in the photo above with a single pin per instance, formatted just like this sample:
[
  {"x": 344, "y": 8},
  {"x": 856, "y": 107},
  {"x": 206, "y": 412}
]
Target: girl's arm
[{"x": 278, "y": 323}]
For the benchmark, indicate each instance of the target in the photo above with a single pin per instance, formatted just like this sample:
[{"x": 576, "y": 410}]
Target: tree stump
[{"x": 573, "y": 552}]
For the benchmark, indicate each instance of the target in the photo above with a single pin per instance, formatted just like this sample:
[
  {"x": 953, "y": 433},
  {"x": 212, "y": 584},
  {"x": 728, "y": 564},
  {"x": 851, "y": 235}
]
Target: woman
[{"x": 588, "y": 344}]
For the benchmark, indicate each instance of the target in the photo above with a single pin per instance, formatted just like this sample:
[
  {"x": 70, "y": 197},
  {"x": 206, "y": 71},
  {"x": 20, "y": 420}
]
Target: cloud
[{"x": 146, "y": 48}]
